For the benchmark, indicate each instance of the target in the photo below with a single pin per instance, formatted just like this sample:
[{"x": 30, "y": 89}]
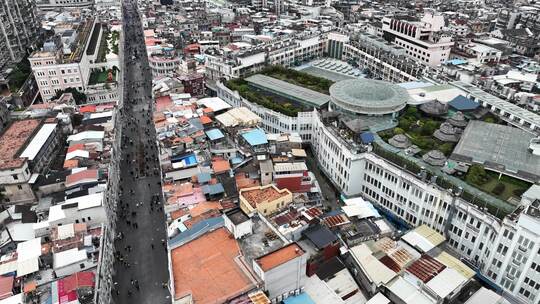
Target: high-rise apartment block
[{"x": 18, "y": 31}]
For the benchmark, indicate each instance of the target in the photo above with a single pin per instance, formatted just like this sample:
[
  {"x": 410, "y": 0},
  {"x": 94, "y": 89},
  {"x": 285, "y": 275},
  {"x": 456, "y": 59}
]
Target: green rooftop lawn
[
  {"x": 100, "y": 76},
  {"x": 503, "y": 188},
  {"x": 318, "y": 84}
]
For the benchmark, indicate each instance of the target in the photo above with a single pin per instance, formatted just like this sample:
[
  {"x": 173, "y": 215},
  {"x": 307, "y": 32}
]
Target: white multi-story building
[
  {"x": 506, "y": 252},
  {"x": 272, "y": 121},
  {"x": 163, "y": 65},
  {"x": 286, "y": 52},
  {"x": 18, "y": 31},
  {"x": 422, "y": 40},
  {"x": 56, "y": 70},
  {"x": 479, "y": 52},
  {"x": 53, "y": 4}
]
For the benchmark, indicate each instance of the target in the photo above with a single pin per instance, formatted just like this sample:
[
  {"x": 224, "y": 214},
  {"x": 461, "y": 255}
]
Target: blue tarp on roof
[
  {"x": 462, "y": 103},
  {"x": 213, "y": 189},
  {"x": 255, "y": 137},
  {"x": 302, "y": 298},
  {"x": 456, "y": 61},
  {"x": 367, "y": 137},
  {"x": 204, "y": 177},
  {"x": 214, "y": 134}
]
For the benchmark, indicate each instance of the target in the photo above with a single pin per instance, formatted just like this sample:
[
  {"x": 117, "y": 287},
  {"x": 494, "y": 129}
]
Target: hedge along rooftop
[
  {"x": 287, "y": 90},
  {"x": 368, "y": 96}
]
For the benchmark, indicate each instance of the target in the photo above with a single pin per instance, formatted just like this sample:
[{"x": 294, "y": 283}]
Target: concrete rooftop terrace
[
  {"x": 13, "y": 139},
  {"x": 285, "y": 89},
  {"x": 500, "y": 148}
]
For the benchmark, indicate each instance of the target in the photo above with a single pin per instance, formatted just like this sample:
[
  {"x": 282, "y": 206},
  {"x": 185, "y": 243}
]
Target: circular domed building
[{"x": 367, "y": 97}]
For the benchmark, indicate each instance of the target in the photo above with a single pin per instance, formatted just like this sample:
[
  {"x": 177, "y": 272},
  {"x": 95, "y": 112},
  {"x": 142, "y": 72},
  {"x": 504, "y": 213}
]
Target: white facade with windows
[
  {"x": 52, "y": 4},
  {"x": 52, "y": 76},
  {"x": 286, "y": 52},
  {"x": 506, "y": 252},
  {"x": 423, "y": 40},
  {"x": 272, "y": 121}
]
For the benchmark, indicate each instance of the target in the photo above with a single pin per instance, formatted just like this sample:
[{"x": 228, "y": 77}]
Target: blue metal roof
[
  {"x": 462, "y": 103},
  {"x": 213, "y": 189},
  {"x": 367, "y": 137},
  {"x": 302, "y": 298},
  {"x": 236, "y": 160},
  {"x": 255, "y": 137},
  {"x": 196, "y": 230},
  {"x": 214, "y": 134},
  {"x": 204, "y": 177}
]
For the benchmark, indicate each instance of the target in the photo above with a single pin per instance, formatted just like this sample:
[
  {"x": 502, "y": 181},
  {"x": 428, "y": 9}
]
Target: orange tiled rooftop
[
  {"x": 262, "y": 195},
  {"x": 207, "y": 269},
  {"x": 220, "y": 165},
  {"x": 245, "y": 182},
  {"x": 280, "y": 256},
  {"x": 13, "y": 139}
]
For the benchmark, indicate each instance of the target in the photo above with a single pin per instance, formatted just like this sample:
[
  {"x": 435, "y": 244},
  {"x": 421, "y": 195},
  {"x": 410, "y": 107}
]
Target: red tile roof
[
  {"x": 280, "y": 256},
  {"x": 76, "y": 147},
  {"x": 6, "y": 287},
  {"x": 13, "y": 140},
  {"x": 263, "y": 194},
  {"x": 220, "y": 165},
  {"x": 336, "y": 220},
  {"x": 163, "y": 102},
  {"x": 79, "y": 280},
  {"x": 71, "y": 163},
  {"x": 205, "y": 119},
  {"x": 388, "y": 262},
  {"x": 90, "y": 174},
  {"x": 425, "y": 268},
  {"x": 87, "y": 109},
  {"x": 208, "y": 268}
]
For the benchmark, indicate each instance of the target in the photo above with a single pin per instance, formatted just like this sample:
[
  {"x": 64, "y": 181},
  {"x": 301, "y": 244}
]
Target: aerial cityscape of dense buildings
[{"x": 270, "y": 151}]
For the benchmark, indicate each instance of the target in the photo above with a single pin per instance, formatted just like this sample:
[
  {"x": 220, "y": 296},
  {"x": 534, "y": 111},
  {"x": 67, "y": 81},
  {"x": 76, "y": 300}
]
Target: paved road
[{"x": 141, "y": 267}]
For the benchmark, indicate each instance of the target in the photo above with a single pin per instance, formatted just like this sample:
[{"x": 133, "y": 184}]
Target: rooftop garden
[
  {"x": 266, "y": 100},
  {"x": 102, "y": 76},
  {"x": 442, "y": 182},
  {"x": 112, "y": 38},
  {"x": 103, "y": 47},
  {"x": 18, "y": 76},
  {"x": 302, "y": 79},
  {"x": 274, "y": 102},
  {"x": 419, "y": 128},
  {"x": 503, "y": 187}
]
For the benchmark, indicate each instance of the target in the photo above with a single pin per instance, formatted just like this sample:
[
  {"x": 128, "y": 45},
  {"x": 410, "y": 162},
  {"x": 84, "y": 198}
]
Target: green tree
[
  {"x": 446, "y": 148},
  {"x": 429, "y": 127},
  {"x": 413, "y": 112},
  {"x": 405, "y": 124},
  {"x": 398, "y": 130},
  {"x": 477, "y": 175}
]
